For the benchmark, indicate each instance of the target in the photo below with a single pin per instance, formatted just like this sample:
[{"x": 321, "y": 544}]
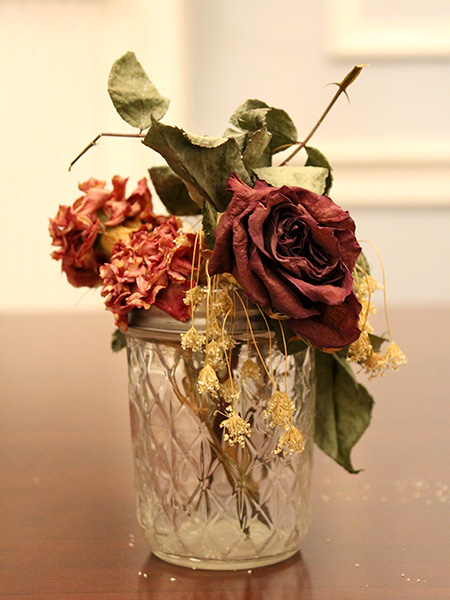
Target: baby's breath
[
  {"x": 222, "y": 304},
  {"x": 208, "y": 381},
  {"x": 193, "y": 339},
  {"x": 251, "y": 370},
  {"x": 279, "y": 409},
  {"x": 230, "y": 391},
  {"x": 194, "y": 297},
  {"x": 215, "y": 355},
  {"x": 291, "y": 442},
  {"x": 236, "y": 428}
]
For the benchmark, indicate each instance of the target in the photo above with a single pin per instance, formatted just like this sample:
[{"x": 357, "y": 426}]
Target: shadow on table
[{"x": 287, "y": 580}]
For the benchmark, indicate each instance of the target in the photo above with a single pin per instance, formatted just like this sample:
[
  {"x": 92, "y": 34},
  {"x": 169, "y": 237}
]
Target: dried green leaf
[
  {"x": 118, "y": 341},
  {"x": 311, "y": 178},
  {"x": 204, "y": 163},
  {"x": 343, "y": 408},
  {"x": 134, "y": 96},
  {"x": 173, "y": 192},
  {"x": 210, "y": 217},
  {"x": 317, "y": 159},
  {"x": 253, "y": 115},
  {"x": 257, "y": 151}
]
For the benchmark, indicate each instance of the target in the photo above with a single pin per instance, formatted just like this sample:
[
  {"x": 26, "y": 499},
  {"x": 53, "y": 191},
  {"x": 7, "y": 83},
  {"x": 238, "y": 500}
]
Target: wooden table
[{"x": 67, "y": 519}]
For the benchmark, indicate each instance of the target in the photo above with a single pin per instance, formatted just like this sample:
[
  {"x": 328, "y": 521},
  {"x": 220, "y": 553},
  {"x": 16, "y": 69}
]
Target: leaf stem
[
  {"x": 342, "y": 89},
  {"x": 95, "y": 140}
]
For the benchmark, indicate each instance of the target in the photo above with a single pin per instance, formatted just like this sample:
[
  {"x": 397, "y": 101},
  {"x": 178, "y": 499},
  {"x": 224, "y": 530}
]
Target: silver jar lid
[{"x": 156, "y": 324}]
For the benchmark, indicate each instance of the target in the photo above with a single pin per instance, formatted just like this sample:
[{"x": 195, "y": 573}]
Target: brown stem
[
  {"x": 342, "y": 89},
  {"x": 95, "y": 140}
]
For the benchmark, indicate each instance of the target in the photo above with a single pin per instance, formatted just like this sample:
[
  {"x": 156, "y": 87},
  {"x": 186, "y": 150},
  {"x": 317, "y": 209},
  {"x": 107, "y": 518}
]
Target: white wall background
[{"x": 390, "y": 147}]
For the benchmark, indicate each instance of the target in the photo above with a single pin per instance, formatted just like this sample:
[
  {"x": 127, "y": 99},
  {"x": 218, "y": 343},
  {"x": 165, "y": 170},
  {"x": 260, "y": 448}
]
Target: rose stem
[
  {"x": 95, "y": 140},
  {"x": 342, "y": 88}
]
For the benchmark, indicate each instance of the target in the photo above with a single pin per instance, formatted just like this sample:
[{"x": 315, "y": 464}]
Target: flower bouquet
[{"x": 242, "y": 310}]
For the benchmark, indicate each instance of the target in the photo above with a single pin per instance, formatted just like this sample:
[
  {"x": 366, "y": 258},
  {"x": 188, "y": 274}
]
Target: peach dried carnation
[
  {"x": 150, "y": 269},
  {"x": 77, "y": 230}
]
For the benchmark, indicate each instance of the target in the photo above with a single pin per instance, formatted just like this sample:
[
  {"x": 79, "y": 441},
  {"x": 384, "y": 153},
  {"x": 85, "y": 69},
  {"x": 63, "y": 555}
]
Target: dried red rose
[
  {"x": 292, "y": 251},
  {"x": 152, "y": 268},
  {"x": 76, "y": 229}
]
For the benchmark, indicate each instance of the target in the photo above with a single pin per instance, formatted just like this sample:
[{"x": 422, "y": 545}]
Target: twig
[
  {"x": 95, "y": 140},
  {"x": 342, "y": 89}
]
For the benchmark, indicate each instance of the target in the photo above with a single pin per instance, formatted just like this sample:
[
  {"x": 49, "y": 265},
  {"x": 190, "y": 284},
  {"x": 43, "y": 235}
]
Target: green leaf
[
  {"x": 317, "y": 159},
  {"x": 343, "y": 408},
  {"x": 134, "y": 96},
  {"x": 203, "y": 163},
  {"x": 377, "y": 341},
  {"x": 118, "y": 341},
  {"x": 311, "y": 178},
  {"x": 172, "y": 191},
  {"x": 209, "y": 224},
  {"x": 253, "y": 115},
  {"x": 257, "y": 151}
]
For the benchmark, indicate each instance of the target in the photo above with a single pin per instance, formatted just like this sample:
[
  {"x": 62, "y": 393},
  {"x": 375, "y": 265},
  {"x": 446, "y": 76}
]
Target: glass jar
[{"x": 202, "y": 502}]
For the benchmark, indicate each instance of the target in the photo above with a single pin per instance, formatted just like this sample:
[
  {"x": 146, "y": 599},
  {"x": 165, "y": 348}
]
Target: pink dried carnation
[
  {"x": 150, "y": 269},
  {"x": 75, "y": 229}
]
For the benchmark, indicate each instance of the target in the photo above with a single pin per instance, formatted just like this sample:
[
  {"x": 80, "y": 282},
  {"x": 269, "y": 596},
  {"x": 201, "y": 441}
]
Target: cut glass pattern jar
[{"x": 202, "y": 502}]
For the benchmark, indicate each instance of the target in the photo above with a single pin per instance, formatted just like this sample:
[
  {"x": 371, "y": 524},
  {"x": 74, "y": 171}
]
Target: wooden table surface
[{"x": 67, "y": 519}]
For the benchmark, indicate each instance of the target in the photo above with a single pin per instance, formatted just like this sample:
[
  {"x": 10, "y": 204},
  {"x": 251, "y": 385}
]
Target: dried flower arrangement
[{"x": 266, "y": 234}]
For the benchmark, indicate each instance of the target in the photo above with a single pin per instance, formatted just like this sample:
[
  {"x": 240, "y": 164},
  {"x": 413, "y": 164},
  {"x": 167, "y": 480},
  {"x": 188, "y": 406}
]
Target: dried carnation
[
  {"x": 148, "y": 270},
  {"x": 78, "y": 230},
  {"x": 291, "y": 442},
  {"x": 237, "y": 429}
]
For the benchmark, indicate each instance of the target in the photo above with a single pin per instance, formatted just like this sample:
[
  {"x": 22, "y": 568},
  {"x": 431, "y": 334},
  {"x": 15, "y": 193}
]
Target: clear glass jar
[{"x": 201, "y": 502}]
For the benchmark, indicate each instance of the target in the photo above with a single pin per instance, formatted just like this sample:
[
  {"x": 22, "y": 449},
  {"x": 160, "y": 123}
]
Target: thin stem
[
  {"x": 342, "y": 89},
  {"x": 269, "y": 375},
  {"x": 95, "y": 140},
  {"x": 384, "y": 285},
  {"x": 285, "y": 356}
]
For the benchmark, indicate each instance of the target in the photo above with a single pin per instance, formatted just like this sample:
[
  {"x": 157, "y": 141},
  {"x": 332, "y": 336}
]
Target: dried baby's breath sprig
[
  {"x": 279, "y": 410},
  {"x": 222, "y": 303},
  {"x": 215, "y": 355},
  {"x": 230, "y": 391},
  {"x": 208, "y": 382},
  {"x": 193, "y": 339},
  {"x": 361, "y": 351},
  {"x": 395, "y": 356},
  {"x": 195, "y": 296},
  {"x": 251, "y": 370},
  {"x": 291, "y": 442},
  {"x": 237, "y": 429}
]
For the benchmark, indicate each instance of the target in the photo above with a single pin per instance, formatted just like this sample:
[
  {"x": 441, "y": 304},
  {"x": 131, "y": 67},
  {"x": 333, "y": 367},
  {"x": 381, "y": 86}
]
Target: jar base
[{"x": 229, "y": 565}]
